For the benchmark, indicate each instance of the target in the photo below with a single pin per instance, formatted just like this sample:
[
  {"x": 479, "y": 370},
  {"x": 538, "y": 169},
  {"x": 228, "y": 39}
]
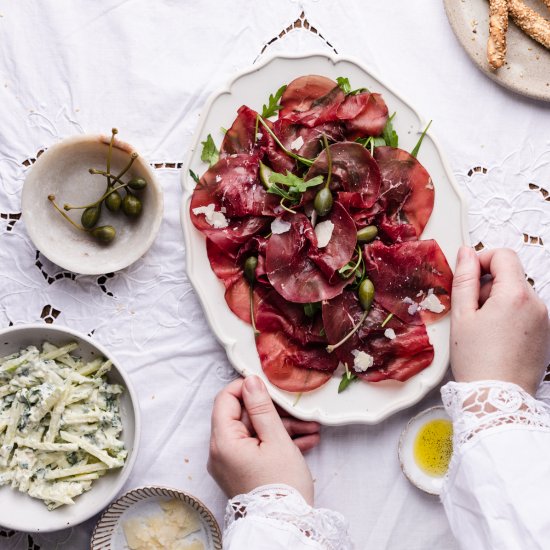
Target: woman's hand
[
  {"x": 499, "y": 330},
  {"x": 250, "y": 445}
]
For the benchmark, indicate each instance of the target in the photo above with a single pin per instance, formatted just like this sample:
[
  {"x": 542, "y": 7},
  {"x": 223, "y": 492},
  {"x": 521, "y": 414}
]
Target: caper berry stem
[
  {"x": 386, "y": 320},
  {"x": 286, "y": 207},
  {"x": 307, "y": 162},
  {"x": 103, "y": 197},
  {"x": 133, "y": 157},
  {"x": 116, "y": 179},
  {"x": 252, "y": 319},
  {"x": 329, "y": 161},
  {"x": 114, "y": 132},
  {"x": 51, "y": 198},
  {"x": 356, "y": 327}
]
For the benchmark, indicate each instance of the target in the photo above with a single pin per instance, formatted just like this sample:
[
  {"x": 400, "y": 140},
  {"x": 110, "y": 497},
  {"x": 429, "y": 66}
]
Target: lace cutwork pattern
[
  {"x": 285, "y": 505},
  {"x": 477, "y": 407}
]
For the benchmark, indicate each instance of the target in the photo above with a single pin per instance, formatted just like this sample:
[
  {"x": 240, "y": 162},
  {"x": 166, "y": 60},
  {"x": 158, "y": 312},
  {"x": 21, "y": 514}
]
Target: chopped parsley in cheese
[{"x": 60, "y": 423}]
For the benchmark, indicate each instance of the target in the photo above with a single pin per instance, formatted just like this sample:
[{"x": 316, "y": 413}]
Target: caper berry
[
  {"x": 104, "y": 234},
  {"x": 366, "y": 294},
  {"x": 250, "y": 269},
  {"x": 90, "y": 216},
  {"x": 323, "y": 202},
  {"x": 113, "y": 200},
  {"x": 131, "y": 206},
  {"x": 367, "y": 234},
  {"x": 137, "y": 183}
]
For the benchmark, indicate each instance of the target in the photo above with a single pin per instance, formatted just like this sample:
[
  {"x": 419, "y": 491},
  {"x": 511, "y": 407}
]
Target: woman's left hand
[{"x": 251, "y": 445}]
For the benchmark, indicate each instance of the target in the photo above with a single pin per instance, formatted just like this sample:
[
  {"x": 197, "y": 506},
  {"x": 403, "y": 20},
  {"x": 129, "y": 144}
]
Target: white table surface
[{"x": 148, "y": 67}]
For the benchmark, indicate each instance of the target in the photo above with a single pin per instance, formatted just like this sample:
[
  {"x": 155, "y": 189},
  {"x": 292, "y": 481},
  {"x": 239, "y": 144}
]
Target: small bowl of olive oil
[{"x": 425, "y": 449}]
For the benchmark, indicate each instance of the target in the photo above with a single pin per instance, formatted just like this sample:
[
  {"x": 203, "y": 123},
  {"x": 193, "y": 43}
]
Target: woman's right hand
[{"x": 499, "y": 330}]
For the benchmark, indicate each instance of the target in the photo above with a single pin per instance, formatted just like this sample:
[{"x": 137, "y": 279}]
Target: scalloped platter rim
[{"x": 361, "y": 403}]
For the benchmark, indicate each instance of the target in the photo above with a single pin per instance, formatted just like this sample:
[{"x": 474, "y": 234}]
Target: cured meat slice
[
  {"x": 341, "y": 246},
  {"x": 275, "y": 314},
  {"x": 412, "y": 279},
  {"x": 243, "y": 136},
  {"x": 292, "y": 367},
  {"x": 355, "y": 173},
  {"x": 364, "y": 114},
  {"x": 398, "y": 358},
  {"x": 228, "y": 269},
  {"x": 293, "y": 259},
  {"x": 233, "y": 186},
  {"x": 303, "y": 91},
  {"x": 323, "y": 109},
  {"x": 304, "y": 141},
  {"x": 407, "y": 191}
]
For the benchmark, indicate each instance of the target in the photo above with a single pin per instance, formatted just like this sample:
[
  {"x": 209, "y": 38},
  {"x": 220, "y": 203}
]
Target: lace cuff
[
  {"x": 284, "y": 504},
  {"x": 476, "y": 407}
]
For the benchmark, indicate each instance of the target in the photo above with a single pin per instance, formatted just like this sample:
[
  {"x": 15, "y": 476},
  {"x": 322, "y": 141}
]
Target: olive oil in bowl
[{"x": 433, "y": 447}]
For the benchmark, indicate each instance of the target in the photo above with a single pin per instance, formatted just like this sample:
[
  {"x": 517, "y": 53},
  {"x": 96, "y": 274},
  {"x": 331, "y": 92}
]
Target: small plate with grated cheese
[
  {"x": 157, "y": 518},
  {"x": 69, "y": 428}
]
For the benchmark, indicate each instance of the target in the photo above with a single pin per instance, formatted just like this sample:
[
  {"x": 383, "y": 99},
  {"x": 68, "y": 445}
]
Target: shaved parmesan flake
[
  {"x": 167, "y": 529},
  {"x": 324, "y": 231},
  {"x": 389, "y": 333},
  {"x": 431, "y": 303},
  {"x": 297, "y": 144},
  {"x": 279, "y": 226},
  {"x": 216, "y": 219},
  {"x": 361, "y": 360}
]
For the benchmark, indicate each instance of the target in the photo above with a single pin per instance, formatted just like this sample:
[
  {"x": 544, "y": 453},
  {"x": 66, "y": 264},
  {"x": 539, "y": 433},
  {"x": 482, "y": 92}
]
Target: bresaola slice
[
  {"x": 302, "y": 92},
  {"x": 364, "y": 114},
  {"x": 412, "y": 279},
  {"x": 407, "y": 191},
  {"x": 292, "y": 367},
  {"x": 299, "y": 270},
  {"x": 397, "y": 358},
  {"x": 355, "y": 173}
]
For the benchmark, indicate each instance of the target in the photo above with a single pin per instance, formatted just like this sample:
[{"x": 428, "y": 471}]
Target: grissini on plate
[
  {"x": 530, "y": 22},
  {"x": 498, "y": 25}
]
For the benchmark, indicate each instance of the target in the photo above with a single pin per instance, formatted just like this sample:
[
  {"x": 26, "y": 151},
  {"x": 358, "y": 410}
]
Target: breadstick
[
  {"x": 498, "y": 25},
  {"x": 530, "y": 22}
]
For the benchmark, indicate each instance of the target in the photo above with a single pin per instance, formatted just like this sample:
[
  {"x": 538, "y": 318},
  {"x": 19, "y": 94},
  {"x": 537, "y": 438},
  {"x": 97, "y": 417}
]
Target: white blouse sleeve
[
  {"x": 497, "y": 491},
  {"x": 276, "y": 517}
]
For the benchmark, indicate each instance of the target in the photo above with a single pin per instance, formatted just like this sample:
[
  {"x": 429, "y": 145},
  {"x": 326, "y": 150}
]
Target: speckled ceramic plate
[
  {"x": 527, "y": 68},
  {"x": 63, "y": 171},
  {"x": 109, "y": 535},
  {"x": 361, "y": 403},
  {"x": 425, "y": 482}
]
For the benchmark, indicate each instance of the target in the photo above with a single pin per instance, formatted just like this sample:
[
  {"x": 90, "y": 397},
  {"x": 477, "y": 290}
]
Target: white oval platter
[{"x": 361, "y": 402}]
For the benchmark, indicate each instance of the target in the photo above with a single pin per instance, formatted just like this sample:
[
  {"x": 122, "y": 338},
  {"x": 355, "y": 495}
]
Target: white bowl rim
[
  {"x": 128, "y": 465},
  {"x": 410, "y": 423}
]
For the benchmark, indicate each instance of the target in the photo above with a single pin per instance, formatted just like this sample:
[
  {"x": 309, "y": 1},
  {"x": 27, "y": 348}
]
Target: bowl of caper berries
[{"x": 91, "y": 204}]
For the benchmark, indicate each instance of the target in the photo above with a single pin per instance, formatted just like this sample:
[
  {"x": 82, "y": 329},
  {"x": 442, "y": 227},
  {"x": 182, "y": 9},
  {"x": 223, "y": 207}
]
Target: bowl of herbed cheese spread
[{"x": 69, "y": 427}]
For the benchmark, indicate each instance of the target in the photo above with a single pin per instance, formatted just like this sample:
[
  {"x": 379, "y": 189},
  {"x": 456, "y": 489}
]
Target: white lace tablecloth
[{"x": 71, "y": 67}]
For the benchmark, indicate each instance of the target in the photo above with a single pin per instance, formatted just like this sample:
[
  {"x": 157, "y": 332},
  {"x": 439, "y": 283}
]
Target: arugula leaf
[
  {"x": 347, "y": 379},
  {"x": 273, "y": 106},
  {"x": 389, "y": 134},
  {"x": 312, "y": 308},
  {"x": 209, "y": 152},
  {"x": 294, "y": 183},
  {"x": 344, "y": 84},
  {"x": 371, "y": 142},
  {"x": 414, "y": 152},
  {"x": 194, "y": 176}
]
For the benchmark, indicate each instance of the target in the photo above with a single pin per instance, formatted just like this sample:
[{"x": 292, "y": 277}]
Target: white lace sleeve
[
  {"x": 476, "y": 407},
  {"x": 283, "y": 516},
  {"x": 497, "y": 491}
]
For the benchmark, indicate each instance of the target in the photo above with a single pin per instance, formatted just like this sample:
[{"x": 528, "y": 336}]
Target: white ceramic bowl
[
  {"x": 142, "y": 502},
  {"x": 23, "y": 513},
  {"x": 425, "y": 482},
  {"x": 63, "y": 171}
]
